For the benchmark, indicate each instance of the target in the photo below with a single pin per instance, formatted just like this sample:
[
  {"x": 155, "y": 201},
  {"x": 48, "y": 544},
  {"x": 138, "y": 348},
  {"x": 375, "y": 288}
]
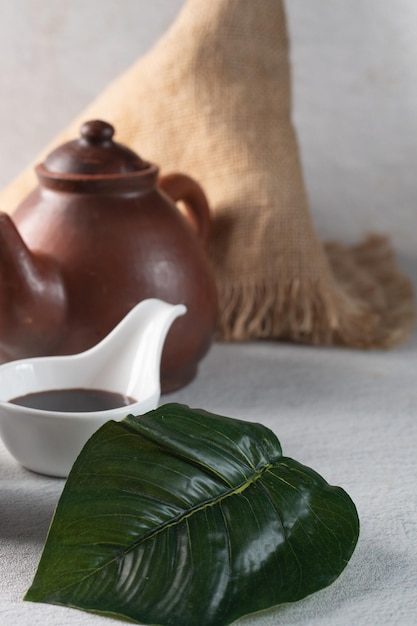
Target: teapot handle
[{"x": 183, "y": 188}]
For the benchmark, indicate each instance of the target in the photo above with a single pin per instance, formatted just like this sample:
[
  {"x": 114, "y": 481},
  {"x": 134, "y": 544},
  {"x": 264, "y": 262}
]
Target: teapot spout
[
  {"x": 32, "y": 298},
  {"x": 129, "y": 357}
]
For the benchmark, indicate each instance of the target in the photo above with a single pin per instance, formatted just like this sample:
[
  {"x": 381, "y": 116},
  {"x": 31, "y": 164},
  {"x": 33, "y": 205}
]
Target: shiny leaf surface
[{"x": 181, "y": 517}]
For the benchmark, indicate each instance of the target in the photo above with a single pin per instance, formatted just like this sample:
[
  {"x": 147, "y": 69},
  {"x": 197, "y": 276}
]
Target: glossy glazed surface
[{"x": 127, "y": 361}]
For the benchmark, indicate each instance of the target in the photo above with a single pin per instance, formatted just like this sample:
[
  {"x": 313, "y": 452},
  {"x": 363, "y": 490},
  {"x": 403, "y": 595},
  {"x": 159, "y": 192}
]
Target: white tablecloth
[{"x": 352, "y": 416}]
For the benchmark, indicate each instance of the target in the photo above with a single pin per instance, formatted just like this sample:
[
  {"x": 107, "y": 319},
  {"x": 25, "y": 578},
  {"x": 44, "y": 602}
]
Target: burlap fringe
[{"x": 371, "y": 303}]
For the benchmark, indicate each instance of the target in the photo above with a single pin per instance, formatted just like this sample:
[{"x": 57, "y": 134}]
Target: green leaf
[{"x": 181, "y": 517}]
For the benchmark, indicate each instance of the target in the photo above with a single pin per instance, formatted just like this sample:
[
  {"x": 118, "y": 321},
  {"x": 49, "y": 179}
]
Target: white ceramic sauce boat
[{"x": 127, "y": 361}]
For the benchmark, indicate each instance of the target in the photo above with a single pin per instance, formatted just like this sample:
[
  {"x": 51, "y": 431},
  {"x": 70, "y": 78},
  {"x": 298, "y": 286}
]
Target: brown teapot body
[{"x": 116, "y": 238}]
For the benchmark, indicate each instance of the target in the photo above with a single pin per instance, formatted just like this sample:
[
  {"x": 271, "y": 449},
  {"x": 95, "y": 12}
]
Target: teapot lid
[{"x": 94, "y": 153}]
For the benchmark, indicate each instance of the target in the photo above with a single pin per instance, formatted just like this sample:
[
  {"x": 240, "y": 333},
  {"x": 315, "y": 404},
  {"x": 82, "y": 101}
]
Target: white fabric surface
[{"x": 349, "y": 415}]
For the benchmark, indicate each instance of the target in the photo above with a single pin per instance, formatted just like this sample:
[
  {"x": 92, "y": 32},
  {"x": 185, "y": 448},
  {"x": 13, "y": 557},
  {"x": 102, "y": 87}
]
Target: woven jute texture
[{"x": 213, "y": 99}]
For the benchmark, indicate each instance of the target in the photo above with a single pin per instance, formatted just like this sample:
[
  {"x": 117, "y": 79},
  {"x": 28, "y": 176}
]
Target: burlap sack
[{"x": 212, "y": 99}]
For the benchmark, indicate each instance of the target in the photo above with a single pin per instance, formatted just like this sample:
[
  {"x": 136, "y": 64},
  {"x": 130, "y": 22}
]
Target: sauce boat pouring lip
[{"x": 126, "y": 361}]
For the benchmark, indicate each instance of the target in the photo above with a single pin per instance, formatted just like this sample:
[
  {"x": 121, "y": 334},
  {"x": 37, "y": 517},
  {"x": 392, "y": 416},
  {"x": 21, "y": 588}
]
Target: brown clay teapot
[{"x": 97, "y": 235}]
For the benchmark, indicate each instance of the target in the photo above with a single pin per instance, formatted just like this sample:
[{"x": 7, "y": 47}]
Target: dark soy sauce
[{"x": 73, "y": 400}]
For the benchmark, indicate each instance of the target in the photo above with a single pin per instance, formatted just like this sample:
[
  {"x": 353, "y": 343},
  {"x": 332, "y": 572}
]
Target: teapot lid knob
[
  {"x": 97, "y": 131},
  {"x": 94, "y": 153}
]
